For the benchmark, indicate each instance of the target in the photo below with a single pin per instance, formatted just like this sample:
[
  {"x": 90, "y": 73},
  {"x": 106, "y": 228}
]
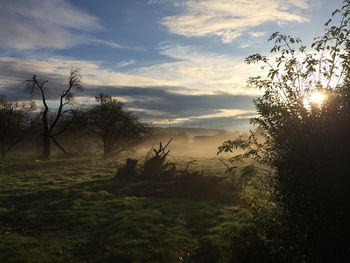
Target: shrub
[{"x": 306, "y": 139}]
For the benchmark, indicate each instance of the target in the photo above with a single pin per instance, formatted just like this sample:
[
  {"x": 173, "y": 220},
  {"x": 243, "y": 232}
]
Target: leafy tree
[
  {"x": 306, "y": 141},
  {"x": 15, "y": 123},
  {"x": 117, "y": 128},
  {"x": 66, "y": 98}
]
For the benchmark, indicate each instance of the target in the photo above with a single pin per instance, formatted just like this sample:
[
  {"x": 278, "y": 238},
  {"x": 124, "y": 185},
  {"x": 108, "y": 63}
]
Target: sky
[{"x": 173, "y": 62}]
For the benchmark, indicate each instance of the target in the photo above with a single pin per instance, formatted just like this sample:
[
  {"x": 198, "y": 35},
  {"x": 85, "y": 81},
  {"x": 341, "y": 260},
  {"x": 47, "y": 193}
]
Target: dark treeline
[
  {"x": 107, "y": 123},
  {"x": 15, "y": 123}
]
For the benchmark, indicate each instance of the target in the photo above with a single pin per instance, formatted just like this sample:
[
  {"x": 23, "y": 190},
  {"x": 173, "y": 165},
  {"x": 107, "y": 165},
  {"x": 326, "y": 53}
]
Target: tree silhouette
[
  {"x": 306, "y": 142},
  {"x": 15, "y": 123},
  {"x": 117, "y": 128},
  {"x": 66, "y": 97}
]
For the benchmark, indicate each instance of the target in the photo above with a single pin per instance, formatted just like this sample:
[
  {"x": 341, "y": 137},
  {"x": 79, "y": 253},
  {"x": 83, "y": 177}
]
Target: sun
[{"x": 316, "y": 98}]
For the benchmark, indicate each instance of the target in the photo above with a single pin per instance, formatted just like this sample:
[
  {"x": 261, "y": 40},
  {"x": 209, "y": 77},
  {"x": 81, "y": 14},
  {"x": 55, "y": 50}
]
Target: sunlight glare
[{"x": 317, "y": 98}]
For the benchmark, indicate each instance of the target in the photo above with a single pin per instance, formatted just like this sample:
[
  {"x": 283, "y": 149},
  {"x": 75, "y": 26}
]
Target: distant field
[{"x": 75, "y": 210}]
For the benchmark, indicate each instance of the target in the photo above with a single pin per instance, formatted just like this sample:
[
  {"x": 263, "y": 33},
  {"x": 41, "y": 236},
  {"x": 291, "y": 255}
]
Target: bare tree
[
  {"x": 15, "y": 123},
  {"x": 65, "y": 98}
]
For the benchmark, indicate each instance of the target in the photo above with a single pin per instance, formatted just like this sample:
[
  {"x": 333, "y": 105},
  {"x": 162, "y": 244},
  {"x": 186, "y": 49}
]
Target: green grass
[{"x": 75, "y": 210}]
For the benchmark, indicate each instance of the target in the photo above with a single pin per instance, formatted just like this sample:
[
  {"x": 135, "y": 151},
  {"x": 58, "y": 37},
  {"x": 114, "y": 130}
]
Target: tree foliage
[
  {"x": 306, "y": 142},
  {"x": 15, "y": 123},
  {"x": 117, "y": 128}
]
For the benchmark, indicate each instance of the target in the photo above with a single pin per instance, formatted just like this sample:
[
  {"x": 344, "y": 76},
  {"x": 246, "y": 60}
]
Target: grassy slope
[{"x": 74, "y": 210}]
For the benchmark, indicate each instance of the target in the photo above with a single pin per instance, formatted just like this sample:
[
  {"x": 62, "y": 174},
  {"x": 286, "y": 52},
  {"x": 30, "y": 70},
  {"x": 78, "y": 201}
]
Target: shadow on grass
[
  {"x": 107, "y": 219},
  {"x": 11, "y": 165}
]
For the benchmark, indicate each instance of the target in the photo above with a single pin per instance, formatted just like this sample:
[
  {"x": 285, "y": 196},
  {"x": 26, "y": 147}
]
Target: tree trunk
[
  {"x": 58, "y": 144},
  {"x": 3, "y": 150},
  {"x": 107, "y": 152},
  {"x": 46, "y": 146}
]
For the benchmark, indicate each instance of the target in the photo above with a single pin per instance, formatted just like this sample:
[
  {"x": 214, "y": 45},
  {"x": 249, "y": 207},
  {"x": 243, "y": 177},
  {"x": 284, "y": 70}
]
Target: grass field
[{"x": 76, "y": 210}]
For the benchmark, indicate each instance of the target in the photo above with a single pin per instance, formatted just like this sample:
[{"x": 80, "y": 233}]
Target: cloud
[
  {"x": 205, "y": 72},
  {"x": 126, "y": 63},
  {"x": 157, "y": 105},
  {"x": 169, "y": 104},
  {"x": 192, "y": 69},
  {"x": 193, "y": 84},
  {"x": 151, "y": 99},
  {"x": 257, "y": 34},
  {"x": 51, "y": 24},
  {"x": 174, "y": 2},
  {"x": 244, "y": 45},
  {"x": 112, "y": 44},
  {"x": 229, "y": 19},
  {"x": 58, "y": 68}
]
